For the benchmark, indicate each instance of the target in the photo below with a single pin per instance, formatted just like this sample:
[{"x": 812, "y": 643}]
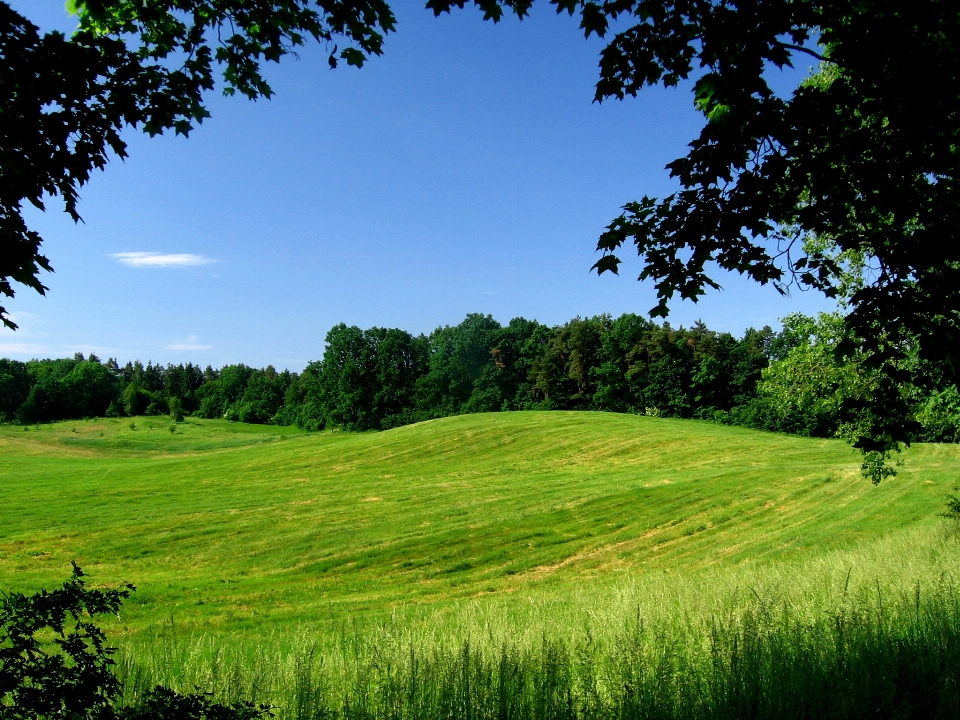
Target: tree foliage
[
  {"x": 861, "y": 158},
  {"x": 809, "y": 391},
  {"x": 144, "y": 63},
  {"x": 794, "y": 381}
]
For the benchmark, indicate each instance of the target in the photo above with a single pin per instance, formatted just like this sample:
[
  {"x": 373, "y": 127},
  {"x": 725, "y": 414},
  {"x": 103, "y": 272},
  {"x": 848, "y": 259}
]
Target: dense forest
[{"x": 789, "y": 381}]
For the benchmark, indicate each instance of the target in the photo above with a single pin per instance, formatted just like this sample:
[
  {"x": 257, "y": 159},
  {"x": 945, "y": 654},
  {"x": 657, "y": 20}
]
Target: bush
[
  {"x": 164, "y": 704},
  {"x": 71, "y": 675},
  {"x": 176, "y": 409},
  {"x": 939, "y": 416}
]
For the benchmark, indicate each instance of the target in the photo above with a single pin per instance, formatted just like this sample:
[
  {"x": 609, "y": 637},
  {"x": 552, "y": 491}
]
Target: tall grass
[{"x": 872, "y": 631}]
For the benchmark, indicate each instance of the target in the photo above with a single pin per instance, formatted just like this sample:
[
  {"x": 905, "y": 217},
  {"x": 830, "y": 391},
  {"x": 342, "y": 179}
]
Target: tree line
[{"x": 792, "y": 380}]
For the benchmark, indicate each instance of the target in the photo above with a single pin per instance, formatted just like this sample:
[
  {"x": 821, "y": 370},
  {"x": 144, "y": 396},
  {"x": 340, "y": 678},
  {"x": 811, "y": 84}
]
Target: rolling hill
[{"x": 236, "y": 526}]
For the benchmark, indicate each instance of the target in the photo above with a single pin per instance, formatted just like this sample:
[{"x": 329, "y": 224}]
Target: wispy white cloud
[
  {"x": 155, "y": 259},
  {"x": 23, "y": 348},
  {"x": 21, "y": 315},
  {"x": 19, "y": 318},
  {"x": 29, "y": 349},
  {"x": 189, "y": 344}
]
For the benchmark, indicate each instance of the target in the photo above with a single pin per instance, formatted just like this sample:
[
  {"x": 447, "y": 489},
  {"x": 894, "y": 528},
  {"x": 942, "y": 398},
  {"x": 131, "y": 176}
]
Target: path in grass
[{"x": 232, "y": 525}]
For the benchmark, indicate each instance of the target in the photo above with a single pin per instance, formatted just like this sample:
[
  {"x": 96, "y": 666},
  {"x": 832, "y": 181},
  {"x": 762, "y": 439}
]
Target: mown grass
[{"x": 467, "y": 566}]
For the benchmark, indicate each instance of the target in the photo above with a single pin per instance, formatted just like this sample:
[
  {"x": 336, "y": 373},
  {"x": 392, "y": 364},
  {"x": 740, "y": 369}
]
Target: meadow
[{"x": 523, "y": 564}]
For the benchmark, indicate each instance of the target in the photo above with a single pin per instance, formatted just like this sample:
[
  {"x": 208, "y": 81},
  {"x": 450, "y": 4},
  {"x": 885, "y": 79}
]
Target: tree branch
[{"x": 808, "y": 51}]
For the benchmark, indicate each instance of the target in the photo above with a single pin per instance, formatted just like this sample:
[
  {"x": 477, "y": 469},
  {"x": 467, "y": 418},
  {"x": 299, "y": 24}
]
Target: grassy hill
[
  {"x": 523, "y": 565},
  {"x": 237, "y": 526}
]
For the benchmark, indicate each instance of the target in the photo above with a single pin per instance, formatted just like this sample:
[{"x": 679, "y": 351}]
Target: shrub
[
  {"x": 164, "y": 704},
  {"x": 49, "y": 669},
  {"x": 939, "y": 416},
  {"x": 70, "y": 676},
  {"x": 176, "y": 409}
]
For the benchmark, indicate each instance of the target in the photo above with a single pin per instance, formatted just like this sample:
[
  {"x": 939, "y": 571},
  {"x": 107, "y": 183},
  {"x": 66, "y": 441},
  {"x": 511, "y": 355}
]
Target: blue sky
[{"x": 465, "y": 170}]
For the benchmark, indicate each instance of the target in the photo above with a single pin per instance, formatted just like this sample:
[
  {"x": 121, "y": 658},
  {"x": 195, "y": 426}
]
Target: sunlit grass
[
  {"x": 874, "y": 627},
  {"x": 241, "y": 526},
  {"x": 371, "y": 575}
]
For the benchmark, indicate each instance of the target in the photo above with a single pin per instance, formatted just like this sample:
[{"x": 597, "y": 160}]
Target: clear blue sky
[{"x": 465, "y": 170}]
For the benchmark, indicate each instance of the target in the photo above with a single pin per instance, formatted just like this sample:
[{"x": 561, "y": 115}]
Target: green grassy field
[
  {"x": 255, "y": 547},
  {"x": 232, "y": 524}
]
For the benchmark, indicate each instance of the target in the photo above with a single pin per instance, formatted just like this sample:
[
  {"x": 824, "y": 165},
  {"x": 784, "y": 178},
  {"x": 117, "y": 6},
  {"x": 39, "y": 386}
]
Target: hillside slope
[{"x": 235, "y": 524}]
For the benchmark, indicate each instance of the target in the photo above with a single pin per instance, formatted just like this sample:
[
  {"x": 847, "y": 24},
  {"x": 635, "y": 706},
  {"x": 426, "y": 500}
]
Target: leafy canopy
[
  {"x": 857, "y": 169},
  {"x": 148, "y": 63}
]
